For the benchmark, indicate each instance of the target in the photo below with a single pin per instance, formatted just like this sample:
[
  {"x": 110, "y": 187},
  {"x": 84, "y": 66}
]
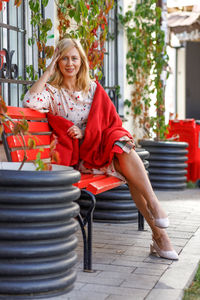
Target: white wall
[
  {"x": 125, "y": 89},
  {"x": 170, "y": 90},
  {"x": 181, "y": 84}
]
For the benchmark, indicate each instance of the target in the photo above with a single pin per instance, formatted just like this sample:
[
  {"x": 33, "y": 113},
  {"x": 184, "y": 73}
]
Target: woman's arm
[{"x": 39, "y": 85}]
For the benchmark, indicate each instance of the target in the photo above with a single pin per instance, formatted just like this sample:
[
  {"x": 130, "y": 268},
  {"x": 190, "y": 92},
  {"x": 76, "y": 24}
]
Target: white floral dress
[{"x": 75, "y": 107}]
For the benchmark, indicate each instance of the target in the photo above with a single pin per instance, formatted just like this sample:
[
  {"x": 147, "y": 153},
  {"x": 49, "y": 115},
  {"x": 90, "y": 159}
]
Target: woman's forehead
[{"x": 70, "y": 52}]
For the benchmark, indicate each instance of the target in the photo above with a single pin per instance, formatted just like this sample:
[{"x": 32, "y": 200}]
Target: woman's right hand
[
  {"x": 39, "y": 85},
  {"x": 51, "y": 68}
]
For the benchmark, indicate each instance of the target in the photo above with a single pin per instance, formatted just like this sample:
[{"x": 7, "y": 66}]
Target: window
[
  {"x": 15, "y": 29},
  {"x": 14, "y": 52},
  {"x": 110, "y": 69}
]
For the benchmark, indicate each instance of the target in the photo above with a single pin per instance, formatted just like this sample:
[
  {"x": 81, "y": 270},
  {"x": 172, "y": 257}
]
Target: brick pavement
[{"x": 124, "y": 270}]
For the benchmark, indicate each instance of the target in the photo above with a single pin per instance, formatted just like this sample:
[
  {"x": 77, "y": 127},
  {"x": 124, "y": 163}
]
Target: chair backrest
[{"x": 38, "y": 128}]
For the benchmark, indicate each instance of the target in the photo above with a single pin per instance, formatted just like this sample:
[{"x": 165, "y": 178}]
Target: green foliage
[
  {"x": 87, "y": 21},
  {"x": 193, "y": 292},
  {"x": 146, "y": 60}
]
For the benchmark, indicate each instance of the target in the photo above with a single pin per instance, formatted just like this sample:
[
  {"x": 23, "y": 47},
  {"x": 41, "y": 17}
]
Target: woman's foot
[{"x": 162, "y": 246}]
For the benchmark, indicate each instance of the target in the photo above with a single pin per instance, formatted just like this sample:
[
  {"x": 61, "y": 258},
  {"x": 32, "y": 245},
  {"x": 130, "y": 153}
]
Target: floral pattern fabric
[{"x": 74, "y": 106}]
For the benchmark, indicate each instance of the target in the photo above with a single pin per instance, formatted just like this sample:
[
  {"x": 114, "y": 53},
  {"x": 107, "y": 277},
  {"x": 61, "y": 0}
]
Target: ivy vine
[
  {"x": 146, "y": 60},
  {"x": 87, "y": 21}
]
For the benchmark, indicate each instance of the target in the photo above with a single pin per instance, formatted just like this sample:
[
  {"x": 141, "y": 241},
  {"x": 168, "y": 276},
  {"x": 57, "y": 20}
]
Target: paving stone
[
  {"x": 113, "y": 281},
  {"x": 113, "y": 268},
  {"x": 120, "y": 291},
  {"x": 108, "y": 250},
  {"x": 149, "y": 271},
  {"x": 81, "y": 295},
  {"x": 165, "y": 294},
  {"x": 123, "y": 267},
  {"x": 108, "y": 274},
  {"x": 140, "y": 281},
  {"x": 117, "y": 297}
]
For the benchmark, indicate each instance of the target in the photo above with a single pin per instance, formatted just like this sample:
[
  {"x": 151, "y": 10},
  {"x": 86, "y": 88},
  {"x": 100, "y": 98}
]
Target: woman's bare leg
[
  {"x": 132, "y": 168},
  {"x": 158, "y": 234}
]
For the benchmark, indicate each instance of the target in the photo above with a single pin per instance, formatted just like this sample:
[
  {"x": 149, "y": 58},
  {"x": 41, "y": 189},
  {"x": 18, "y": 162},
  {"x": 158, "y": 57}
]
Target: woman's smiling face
[{"x": 70, "y": 63}]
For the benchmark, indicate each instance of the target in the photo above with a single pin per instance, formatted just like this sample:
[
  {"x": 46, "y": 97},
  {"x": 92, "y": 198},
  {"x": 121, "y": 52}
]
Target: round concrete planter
[
  {"x": 167, "y": 163},
  {"x": 37, "y": 228},
  {"x": 115, "y": 205}
]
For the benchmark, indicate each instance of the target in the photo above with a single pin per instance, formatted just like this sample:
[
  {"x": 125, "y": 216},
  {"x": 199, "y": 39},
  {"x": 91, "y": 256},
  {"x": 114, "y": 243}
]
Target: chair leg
[
  {"x": 140, "y": 221},
  {"x": 87, "y": 233}
]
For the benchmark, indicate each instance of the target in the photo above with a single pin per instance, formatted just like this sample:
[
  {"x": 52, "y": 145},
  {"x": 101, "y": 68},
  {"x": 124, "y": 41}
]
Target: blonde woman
[{"x": 81, "y": 111}]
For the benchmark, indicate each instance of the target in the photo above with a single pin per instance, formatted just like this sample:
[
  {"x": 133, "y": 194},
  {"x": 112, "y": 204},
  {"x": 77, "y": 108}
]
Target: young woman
[{"x": 85, "y": 114}]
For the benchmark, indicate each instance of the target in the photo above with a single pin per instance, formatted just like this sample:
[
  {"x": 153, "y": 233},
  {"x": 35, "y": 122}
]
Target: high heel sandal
[
  {"x": 165, "y": 254},
  {"x": 162, "y": 223}
]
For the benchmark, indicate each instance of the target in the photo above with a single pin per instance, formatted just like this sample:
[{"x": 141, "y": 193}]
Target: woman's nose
[{"x": 69, "y": 61}]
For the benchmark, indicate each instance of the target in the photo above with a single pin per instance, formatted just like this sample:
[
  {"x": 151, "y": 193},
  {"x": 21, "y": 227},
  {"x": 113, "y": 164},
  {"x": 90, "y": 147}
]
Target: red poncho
[{"x": 104, "y": 128}]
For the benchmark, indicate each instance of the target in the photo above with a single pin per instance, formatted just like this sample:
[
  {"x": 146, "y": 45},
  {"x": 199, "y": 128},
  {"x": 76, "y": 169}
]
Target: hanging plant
[
  {"x": 44, "y": 26},
  {"x": 87, "y": 21},
  {"x": 146, "y": 60}
]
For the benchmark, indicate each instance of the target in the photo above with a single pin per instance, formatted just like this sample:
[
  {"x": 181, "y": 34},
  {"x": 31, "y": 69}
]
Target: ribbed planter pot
[
  {"x": 37, "y": 231},
  {"x": 167, "y": 164},
  {"x": 115, "y": 205}
]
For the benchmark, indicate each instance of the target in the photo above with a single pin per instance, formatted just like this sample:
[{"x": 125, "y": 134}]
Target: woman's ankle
[{"x": 157, "y": 211}]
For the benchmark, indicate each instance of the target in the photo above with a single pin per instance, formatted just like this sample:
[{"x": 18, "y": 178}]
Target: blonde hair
[{"x": 83, "y": 78}]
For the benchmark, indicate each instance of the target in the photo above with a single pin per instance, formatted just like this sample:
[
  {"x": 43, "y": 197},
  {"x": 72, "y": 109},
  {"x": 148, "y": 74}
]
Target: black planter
[
  {"x": 115, "y": 205},
  {"x": 167, "y": 164},
  {"x": 37, "y": 227}
]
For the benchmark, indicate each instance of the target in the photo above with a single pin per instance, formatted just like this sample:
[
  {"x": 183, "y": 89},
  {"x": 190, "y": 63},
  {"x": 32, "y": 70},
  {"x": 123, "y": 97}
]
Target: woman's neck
[{"x": 70, "y": 84}]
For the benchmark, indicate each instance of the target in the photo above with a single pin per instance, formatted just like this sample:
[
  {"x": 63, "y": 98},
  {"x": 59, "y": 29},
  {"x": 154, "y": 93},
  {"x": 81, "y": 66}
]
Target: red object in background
[
  {"x": 2, "y": 54},
  {"x": 1, "y": 3},
  {"x": 188, "y": 130}
]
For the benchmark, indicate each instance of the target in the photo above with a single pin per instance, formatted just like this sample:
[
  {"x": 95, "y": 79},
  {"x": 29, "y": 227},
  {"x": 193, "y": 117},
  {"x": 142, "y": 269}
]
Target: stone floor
[{"x": 124, "y": 270}]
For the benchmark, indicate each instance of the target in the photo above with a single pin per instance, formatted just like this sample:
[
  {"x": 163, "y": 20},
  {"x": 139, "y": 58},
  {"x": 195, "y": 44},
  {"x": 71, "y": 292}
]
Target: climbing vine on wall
[
  {"x": 86, "y": 20},
  {"x": 146, "y": 60}
]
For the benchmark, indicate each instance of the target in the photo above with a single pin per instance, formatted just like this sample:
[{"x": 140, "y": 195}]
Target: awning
[
  {"x": 185, "y": 25},
  {"x": 183, "y": 21}
]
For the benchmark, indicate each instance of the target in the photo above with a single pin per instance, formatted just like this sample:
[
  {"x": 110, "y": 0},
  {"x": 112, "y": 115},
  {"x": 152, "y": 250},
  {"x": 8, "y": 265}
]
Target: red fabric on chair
[
  {"x": 67, "y": 147},
  {"x": 104, "y": 128}
]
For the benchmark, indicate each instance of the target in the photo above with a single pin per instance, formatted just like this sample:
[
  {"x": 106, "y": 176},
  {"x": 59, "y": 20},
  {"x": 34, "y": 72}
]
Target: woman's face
[{"x": 70, "y": 63}]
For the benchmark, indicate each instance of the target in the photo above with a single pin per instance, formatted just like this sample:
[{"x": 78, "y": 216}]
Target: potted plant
[
  {"x": 147, "y": 70},
  {"x": 37, "y": 223}
]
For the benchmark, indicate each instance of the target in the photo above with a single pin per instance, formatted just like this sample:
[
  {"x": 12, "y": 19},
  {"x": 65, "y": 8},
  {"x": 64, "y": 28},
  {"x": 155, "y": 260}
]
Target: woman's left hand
[{"x": 75, "y": 132}]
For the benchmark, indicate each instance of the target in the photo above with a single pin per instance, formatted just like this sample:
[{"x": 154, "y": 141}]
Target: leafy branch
[{"x": 146, "y": 60}]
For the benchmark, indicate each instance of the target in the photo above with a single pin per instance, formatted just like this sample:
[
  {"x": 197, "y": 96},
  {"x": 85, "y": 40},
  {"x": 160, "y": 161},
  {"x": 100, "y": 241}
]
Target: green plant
[
  {"x": 86, "y": 20},
  {"x": 146, "y": 60},
  {"x": 44, "y": 26},
  {"x": 193, "y": 292}
]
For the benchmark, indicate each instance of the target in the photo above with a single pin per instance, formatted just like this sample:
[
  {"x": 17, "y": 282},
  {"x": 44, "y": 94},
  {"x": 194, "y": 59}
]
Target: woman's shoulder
[{"x": 51, "y": 88}]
